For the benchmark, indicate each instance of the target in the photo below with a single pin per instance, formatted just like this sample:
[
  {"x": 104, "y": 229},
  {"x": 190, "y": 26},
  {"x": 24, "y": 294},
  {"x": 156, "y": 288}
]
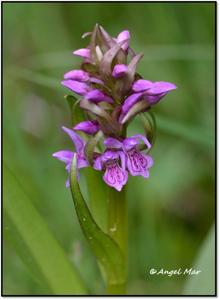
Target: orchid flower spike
[{"x": 111, "y": 93}]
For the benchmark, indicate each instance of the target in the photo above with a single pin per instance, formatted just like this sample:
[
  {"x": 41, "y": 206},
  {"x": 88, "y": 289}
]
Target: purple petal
[
  {"x": 128, "y": 103},
  {"x": 149, "y": 159},
  {"x": 85, "y": 53},
  {"x": 64, "y": 155},
  {"x": 109, "y": 155},
  {"x": 124, "y": 35},
  {"x": 112, "y": 143},
  {"x": 153, "y": 99},
  {"x": 119, "y": 71},
  {"x": 81, "y": 161},
  {"x": 143, "y": 138},
  {"x": 77, "y": 87},
  {"x": 161, "y": 87},
  {"x": 98, "y": 163},
  {"x": 97, "y": 96},
  {"x": 130, "y": 143},
  {"x": 123, "y": 159},
  {"x": 142, "y": 85},
  {"x": 115, "y": 177},
  {"x": 89, "y": 127},
  {"x": 78, "y": 75},
  {"x": 137, "y": 163},
  {"x": 77, "y": 140}
]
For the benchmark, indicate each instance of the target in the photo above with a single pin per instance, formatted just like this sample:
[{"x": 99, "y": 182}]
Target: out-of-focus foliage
[{"x": 171, "y": 213}]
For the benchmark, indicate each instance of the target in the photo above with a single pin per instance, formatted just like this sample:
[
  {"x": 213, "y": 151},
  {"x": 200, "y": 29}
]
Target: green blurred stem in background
[{"x": 118, "y": 229}]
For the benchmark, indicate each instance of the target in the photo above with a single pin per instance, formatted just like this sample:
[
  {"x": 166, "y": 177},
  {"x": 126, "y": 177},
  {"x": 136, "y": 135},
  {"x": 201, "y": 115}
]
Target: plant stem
[{"x": 118, "y": 230}]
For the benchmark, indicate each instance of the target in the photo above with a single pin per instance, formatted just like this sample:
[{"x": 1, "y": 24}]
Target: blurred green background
[{"x": 172, "y": 213}]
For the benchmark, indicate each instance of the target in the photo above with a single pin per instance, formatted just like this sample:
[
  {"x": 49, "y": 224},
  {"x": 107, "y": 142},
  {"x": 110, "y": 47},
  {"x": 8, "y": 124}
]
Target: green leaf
[
  {"x": 104, "y": 248},
  {"x": 41, "y": 247},
  {"x": 204, "y": 282}
]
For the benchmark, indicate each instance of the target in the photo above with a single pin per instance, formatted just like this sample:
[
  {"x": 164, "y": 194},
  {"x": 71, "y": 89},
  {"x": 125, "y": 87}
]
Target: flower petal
[
  {"x": 124, "y": 35},
  {"x": 153, "y": 99},
  {"x": 113, "y": 143},
  {"x": 143, "y": 138},
  {"x": 98, "y": 163},
  {"x": 142, "y": 85},
  {"x": 115, "y": 177},
  {"x": 81, "y": 162},
  {"x": 89, "y": 127},
  {"x": 137, "y": 163},
  {"x": 78, "y": 75},
  {"x": 109, "y": 155},
  {"x": 77, "y": 140},
  {"x": 84, "y": 53},
  {"x": 64, "y": 155},
  {"x": 130, "y": 143},
  {"x": 97, "y": 96},
  {"x": 161, "y": 87},
  {"x": 77, "y": 87},
  {"x": 119, "y": 71},
  {"x": 128, "y": 103}
]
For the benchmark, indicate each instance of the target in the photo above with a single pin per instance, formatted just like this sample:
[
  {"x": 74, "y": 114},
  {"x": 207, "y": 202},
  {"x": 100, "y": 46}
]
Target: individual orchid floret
[
  {"x": 88, "y": 127},
  {"x": 115, "y": 174},
  {"x": 150, "y": 92},
  {"x": 119, "y": 71},
  {"x": 66, "y": 156},
  {"x": 153, "y": 91},
  {"x": 137, "y": 162}
]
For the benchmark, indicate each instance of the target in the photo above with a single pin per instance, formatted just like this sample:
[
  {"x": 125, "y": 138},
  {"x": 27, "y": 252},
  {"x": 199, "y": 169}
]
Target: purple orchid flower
[
  {"x": 137, "y": 162},
  {"x": 146, "y": 90},
  {"x": 66, "y": 156},
  {"x": 115, "y": 174}
]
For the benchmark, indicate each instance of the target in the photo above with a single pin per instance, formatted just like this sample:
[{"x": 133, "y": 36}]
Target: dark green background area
[{"x": 171, "y": 213}]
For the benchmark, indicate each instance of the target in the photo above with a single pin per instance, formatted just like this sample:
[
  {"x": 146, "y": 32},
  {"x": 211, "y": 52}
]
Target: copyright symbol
[{"x": 153, "y": 271}]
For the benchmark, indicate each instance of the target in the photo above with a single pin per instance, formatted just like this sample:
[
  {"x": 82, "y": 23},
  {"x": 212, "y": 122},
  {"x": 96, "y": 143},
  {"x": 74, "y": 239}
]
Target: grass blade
[{"x": 60, "y": 275}]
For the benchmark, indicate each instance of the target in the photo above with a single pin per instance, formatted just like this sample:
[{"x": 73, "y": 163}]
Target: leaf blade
[{"x": 46, "y": 251}]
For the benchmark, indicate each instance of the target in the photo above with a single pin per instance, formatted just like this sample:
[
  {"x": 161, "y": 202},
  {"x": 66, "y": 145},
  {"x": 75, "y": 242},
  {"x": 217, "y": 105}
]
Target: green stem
[{"x": 118, "y": 230}]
